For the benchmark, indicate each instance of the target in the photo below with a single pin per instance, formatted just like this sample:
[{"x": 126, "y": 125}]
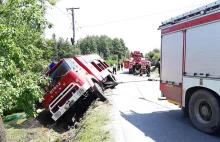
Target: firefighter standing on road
[
  {"x": 148, "y": 69},
  {"x": 121, "y": 66},
  {"x": 114, "y": 69},
  {"x": 158, "y": 66},
  {"x": 118, "y": 66}
]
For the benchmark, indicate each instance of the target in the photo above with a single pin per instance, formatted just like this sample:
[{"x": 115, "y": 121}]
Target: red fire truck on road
[
  {"x": 73, "y": 79},
  {"x": 136, "y": 62},
  {"x": 190, "y": 64}
]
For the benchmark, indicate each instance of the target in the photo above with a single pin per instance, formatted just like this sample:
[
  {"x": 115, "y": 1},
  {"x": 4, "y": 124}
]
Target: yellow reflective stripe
[{"x": 174, "y": 102}]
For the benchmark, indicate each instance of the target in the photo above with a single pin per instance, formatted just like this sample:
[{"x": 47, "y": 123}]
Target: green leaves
[
  {"x": 58, "y": 49},
  {"x": 113, "y": 49},
  {"x": 153, "y": 56},
  {"x": 52, "y": 2},
  {"x": 22, "y": 54}
]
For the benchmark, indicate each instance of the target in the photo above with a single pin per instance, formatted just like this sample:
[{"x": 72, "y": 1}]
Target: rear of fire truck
[
  {"x": 96, "y": 67},
  {"x": 68, "y": 85},
  {"x": 190, "y": 65}
]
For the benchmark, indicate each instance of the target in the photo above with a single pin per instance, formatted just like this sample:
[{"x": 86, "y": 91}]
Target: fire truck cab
[
  {"x": 190, "y": 65},
  {"x": 69, "y": 83}
]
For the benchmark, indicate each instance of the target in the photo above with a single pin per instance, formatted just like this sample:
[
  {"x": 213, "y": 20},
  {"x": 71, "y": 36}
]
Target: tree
[
  {"x": 22, "y": 24},
  {"x": 118, "y": 48},
  {"x": 61, "y": 48},
  {"x": 156, "y": 56},
  {"x": 156, "y": 50},
  {"x": 84, "y": 46},
  {"x": 103, "y": 45},
  {"x": 51, "y": 47},
  {"x": 153, "y": 55},
  {"x": 64, "y": 49}
]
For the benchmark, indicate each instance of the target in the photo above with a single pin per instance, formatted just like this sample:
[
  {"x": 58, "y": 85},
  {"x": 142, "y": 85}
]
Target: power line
[
  {"x": 63, "y": 12},
  {"x": 71, "y": 19},
  {"x": 81, "y": 28},
  {"x": 144, "y": 16}
]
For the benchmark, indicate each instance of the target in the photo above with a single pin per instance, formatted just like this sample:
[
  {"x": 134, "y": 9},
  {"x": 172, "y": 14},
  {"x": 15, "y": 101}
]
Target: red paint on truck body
[
  {"x": 192, "y": 23},
  {"x": 171, "y": 92}
]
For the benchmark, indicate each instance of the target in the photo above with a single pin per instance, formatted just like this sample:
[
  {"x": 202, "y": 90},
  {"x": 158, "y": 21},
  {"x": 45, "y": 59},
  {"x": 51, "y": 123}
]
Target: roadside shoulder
[{"x": 115, "y": 124}]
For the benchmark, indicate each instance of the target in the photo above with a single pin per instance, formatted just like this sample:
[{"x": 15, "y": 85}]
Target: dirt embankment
[{"x": 91, "y": 127}]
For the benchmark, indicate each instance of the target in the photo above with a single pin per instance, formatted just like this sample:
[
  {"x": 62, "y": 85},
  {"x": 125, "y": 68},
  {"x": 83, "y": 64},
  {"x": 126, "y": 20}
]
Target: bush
[
  {"x": 22, "y": 54},
  {"x": 111, "y": 62}
]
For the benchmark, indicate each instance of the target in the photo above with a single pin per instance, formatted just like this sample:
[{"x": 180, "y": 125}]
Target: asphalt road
[{"x": 144, "y": 118}]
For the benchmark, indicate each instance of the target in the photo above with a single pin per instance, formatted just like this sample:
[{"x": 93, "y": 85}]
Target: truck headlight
[
  {"x": 66, "y": 107},
  {"x": 57, "y": 114}
]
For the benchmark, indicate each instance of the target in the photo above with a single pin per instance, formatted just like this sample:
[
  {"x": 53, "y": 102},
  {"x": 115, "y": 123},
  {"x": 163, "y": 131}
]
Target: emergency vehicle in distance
[
  {"x": 190, "y": 65},
  {"x": 73, "y": 79},
  {"x": 136, "y": 62}
]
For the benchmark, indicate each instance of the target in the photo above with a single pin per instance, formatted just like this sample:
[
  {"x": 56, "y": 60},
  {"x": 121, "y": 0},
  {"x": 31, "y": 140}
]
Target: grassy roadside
[
  {"x": 93, "y": 126},
  {"x": 155, "y": 73},
  {"x": 90, "y": 129}
]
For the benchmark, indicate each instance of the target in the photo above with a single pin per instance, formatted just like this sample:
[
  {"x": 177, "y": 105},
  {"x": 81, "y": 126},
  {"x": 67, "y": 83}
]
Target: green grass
[
  {"x": 93, "y": 126},
  {"x": 155, "y": 73},
  {"x": 26, "y": 135},
  {"x": 33, "y": 134}
]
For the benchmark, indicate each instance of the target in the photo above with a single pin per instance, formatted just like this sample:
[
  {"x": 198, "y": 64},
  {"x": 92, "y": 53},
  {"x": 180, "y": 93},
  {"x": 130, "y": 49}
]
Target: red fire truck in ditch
[
  {"x": 190, "y": 64},
  {"x": 136, "y": 62},
  {"x": 73, "y": 79},
  {"x": 96, "y": 67}
]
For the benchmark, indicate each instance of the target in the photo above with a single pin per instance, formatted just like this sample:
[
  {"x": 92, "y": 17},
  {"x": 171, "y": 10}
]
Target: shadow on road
[{"x": 168, "y": 126}]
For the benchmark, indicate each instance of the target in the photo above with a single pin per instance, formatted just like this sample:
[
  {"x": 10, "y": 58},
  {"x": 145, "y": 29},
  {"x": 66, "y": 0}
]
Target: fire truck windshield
[
  {"x": 63, "y": 68},
  {"x": 71, "y": 63},
  {"x": 60, "y": 71}
]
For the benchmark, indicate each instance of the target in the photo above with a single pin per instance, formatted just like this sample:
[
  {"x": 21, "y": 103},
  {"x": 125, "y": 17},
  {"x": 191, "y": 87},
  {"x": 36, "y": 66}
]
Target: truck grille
[{"x": 64, "y": 96}]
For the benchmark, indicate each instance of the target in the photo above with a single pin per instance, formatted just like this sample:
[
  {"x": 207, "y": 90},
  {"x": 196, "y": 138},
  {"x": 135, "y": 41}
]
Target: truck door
[{"x": 171, "y": 66}]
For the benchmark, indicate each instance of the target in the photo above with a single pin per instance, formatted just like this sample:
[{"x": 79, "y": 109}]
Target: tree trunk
[{"x": 2, "y": 131}]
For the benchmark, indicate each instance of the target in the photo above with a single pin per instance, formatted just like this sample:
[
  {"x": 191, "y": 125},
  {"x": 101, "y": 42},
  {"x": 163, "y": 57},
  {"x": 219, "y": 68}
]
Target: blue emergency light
[
  {"x": 74, "y": 90},
  {"x": 52, "y": 65}
]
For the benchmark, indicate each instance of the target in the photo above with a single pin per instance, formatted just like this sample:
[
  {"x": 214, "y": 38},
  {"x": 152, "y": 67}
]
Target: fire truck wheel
[
  {"x": 99, "y": 92},
  {"x": 111, "y": 77},
  {"x": 204, "y": 111}
]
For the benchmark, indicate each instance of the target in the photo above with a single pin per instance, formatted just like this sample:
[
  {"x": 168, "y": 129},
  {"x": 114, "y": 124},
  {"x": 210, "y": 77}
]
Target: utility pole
[{"x": 73, "y": 26}]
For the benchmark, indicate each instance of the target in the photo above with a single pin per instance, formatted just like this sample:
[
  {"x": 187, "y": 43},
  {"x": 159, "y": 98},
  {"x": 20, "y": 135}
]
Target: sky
[{"x": 135, "y": 21}]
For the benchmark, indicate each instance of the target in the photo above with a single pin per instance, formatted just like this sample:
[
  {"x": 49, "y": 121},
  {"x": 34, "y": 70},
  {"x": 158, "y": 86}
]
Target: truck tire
[
  {"x": 204, "y": 111},
  {"x": 111, "y": 77},
  {"x": 99, "y": 92}
]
